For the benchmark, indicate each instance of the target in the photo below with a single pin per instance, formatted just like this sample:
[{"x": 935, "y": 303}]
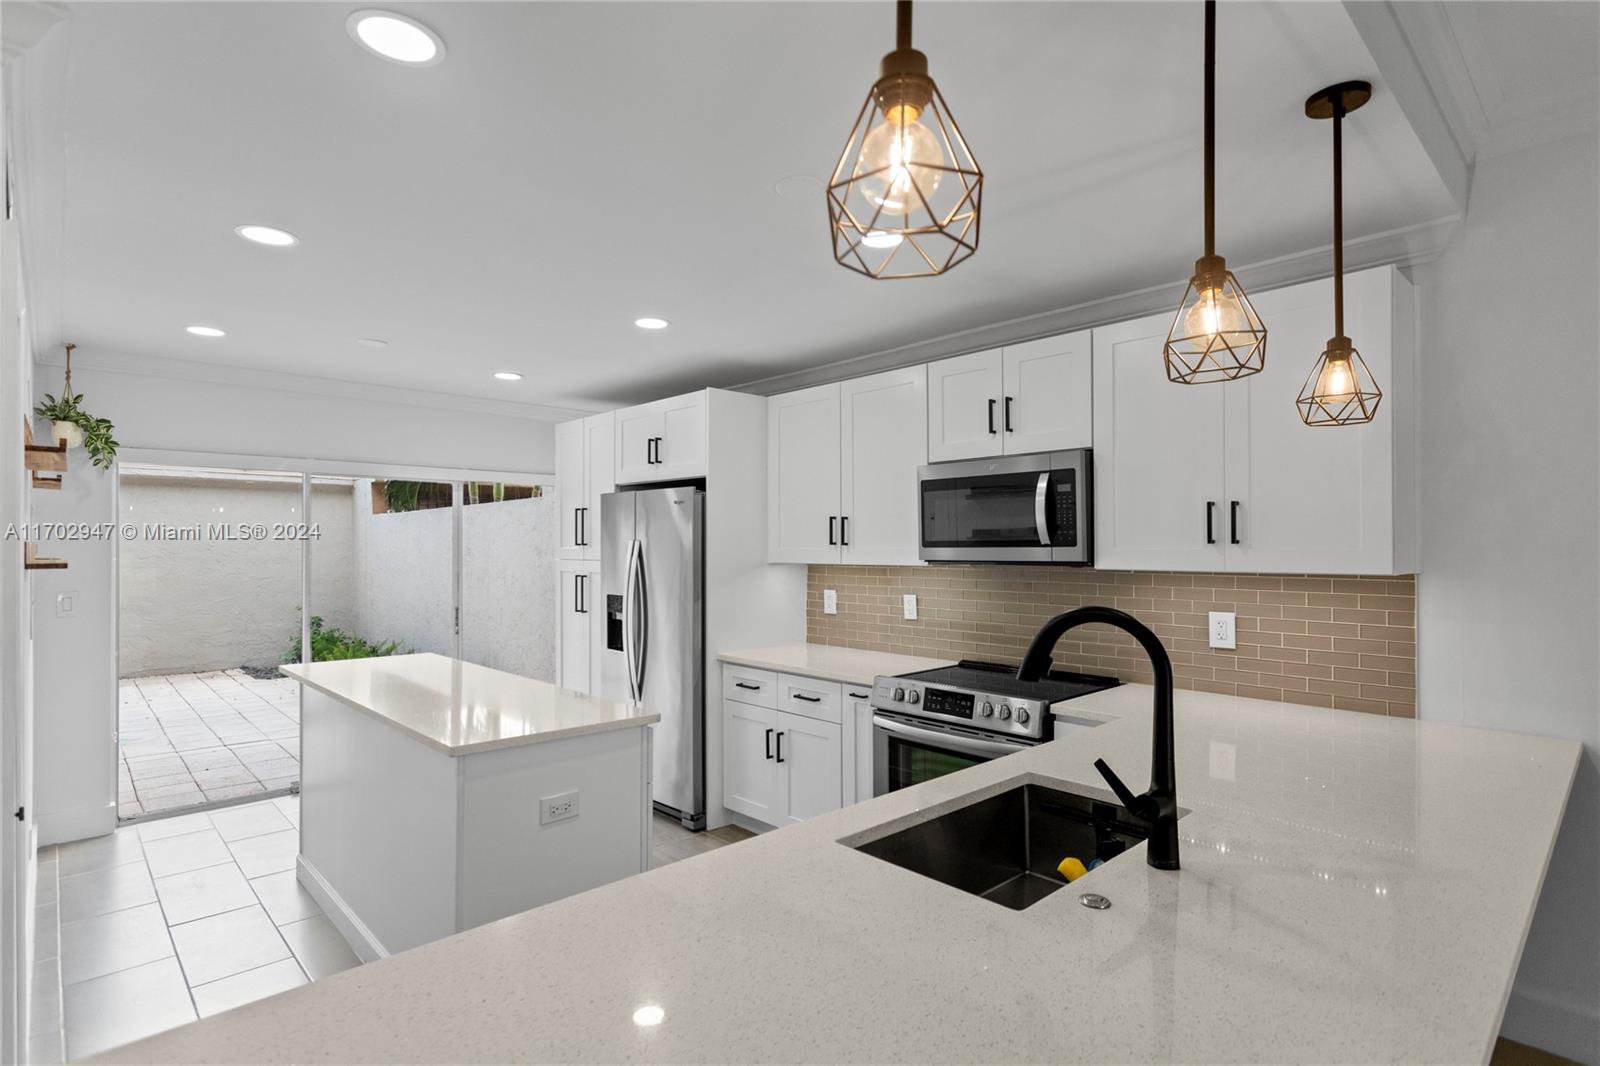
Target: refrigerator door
[
  {"x": 617, "y": 520},
  {"x": 666, "y": 642}
]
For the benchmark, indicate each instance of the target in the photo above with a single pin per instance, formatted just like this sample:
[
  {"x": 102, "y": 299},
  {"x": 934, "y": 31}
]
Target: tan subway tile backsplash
[{"x": 1347, "y": 642}]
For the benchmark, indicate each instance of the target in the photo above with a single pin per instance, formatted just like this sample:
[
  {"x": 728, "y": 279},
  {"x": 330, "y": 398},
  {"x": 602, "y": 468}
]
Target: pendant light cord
[
  {"x": 69, "y": 348},
  {"x": 1211, "y": 128},
  {"x": 902, "y": 24},
  {"x": 1338, "y": 217}
]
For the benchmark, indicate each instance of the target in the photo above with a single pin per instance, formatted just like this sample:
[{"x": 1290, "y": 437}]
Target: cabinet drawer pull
[
  {"x": 1233, "y": 521},
  {"x": 991, "y": 415},
  {"x": 860, "y": 696},
  {"x": 769, "y": 743},
  {"x": 808, "y": 699},
  {"x": 1211, "y": 537},
  {"x": 780, "y": 747},
  {"x": 1008, "y": 415},
  {"x": 742, "y": 684}
]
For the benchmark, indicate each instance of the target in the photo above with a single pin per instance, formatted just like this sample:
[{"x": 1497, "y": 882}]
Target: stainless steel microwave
[{"x": 1014, "y": 509}]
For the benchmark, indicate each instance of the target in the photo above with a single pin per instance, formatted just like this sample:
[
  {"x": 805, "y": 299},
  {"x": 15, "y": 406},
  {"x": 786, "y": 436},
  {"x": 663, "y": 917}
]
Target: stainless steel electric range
[{"x": 934, "y": 722}]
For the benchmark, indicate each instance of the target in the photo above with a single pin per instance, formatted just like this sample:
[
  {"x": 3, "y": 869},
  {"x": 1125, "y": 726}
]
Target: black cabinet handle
[
  {"x": 576, "y": 536},
  {"x": 769, "y": 743},
  {"x": 844, "y": 530},
  {"x": 859, "y": 696},
  {"x": 1008, "y": 414},
  {"x": 991, "y": 415},
  {"x": 833, "y": 537},
  {"x": 1233, "y": 521},
  {"x": 780, "y": 747},
  {"x": 808, "y": 699},
  {"x": 583, "y": 526},
  {"x": 752, "y": 688},
  {"x": 1211, "y": 537},
  {"x": 577, "y": 594}
]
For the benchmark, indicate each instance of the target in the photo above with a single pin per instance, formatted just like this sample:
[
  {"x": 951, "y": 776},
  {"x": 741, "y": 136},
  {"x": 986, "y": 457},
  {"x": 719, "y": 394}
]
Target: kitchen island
[
  {"x": 1353, "y": 888},
  {"x": 437, "y": 795}
]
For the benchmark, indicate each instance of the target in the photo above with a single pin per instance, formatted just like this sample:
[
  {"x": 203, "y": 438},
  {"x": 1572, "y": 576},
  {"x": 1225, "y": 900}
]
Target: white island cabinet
[{"x": 438, "y": 795}]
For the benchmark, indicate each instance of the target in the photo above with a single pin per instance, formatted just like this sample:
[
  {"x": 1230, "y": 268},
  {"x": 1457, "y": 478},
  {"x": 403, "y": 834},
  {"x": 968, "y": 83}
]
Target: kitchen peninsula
[
  {"x": 1354, "y": 888},
  {"x": 437, "y": 795}
]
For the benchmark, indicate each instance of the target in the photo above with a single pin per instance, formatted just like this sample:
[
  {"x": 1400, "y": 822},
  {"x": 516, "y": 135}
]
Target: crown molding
[
  {"x": 1406, "y": 247},
  {"x": 241, "y": 377}
]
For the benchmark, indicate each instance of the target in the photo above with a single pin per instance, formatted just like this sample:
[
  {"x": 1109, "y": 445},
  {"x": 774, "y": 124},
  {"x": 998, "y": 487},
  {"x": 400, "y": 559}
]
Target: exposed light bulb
[
  {"x": 897, "y": 158},
  {"x": 1218, "y": 313},
  {"x": 1336, "y": 383}
]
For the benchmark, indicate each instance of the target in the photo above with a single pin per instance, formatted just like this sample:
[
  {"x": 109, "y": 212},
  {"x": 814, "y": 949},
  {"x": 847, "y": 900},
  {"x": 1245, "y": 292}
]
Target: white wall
[
  {"x": 1509, "y": 595},
  {"x": 216, "y": 604},
  {"x": 405, "y": 588},
  {"x": 509, "y": 604}
]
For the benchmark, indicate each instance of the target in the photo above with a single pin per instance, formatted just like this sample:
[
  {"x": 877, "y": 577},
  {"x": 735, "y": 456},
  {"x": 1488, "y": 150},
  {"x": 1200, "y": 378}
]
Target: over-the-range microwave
[{"x": 1013, "y": 509}]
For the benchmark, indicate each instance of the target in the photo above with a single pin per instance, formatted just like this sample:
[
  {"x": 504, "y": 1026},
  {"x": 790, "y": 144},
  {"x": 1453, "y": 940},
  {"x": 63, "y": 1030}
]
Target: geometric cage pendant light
[
  {"x": 906, "y": 196},
  {"x": 1217, "y": 335},
  {"x": 1340, "y": 390}
]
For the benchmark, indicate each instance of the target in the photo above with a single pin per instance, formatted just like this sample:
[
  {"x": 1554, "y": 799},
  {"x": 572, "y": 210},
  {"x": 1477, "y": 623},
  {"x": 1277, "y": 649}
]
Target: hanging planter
[{"x": 70, "y": 422}]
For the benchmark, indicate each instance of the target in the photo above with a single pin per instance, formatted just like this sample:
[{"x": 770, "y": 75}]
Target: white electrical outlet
[
  {"x": 1222, "y": 634},
  {"x": 830, "y": 601},
  {"x": 66, "y": 604},
  {"x": 908, "y": 605},
  {"x": 558, "y": 808}
]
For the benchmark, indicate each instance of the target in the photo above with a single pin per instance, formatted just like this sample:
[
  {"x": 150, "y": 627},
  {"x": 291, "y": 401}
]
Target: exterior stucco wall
[{"x": 509, "y": 605}]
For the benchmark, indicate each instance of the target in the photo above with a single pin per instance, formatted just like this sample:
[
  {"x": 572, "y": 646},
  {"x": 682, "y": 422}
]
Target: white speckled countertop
[
  {"x": 1354, "y": 889},
  {"x": 461, "y": 708},
  {"x": 850, "y": 666}
]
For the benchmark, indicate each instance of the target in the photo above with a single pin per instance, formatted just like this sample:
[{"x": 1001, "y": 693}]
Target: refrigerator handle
[
  {"x": 641, "y": 642},
  {"x": 628, "y": 621}
]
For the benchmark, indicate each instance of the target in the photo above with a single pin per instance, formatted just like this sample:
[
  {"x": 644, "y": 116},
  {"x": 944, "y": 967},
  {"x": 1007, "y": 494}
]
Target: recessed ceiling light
[
  {"x": 206, "y": 331},
  {"x": 372, "y": 342},
  {"x": 508, "y": 375},
  {"x": 650, "y": 323},
  {"x": 879, "y": 239},
  {"x": 395, "y": 37},
  {"x": 269, "y": 235}
]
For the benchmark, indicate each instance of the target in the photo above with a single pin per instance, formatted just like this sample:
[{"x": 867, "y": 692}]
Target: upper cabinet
[
  {"x": 841, "y": 470},
  {"x": 662, "y": 441},
  {"x": 584, "y": 473},
  {"x": 1032, "y": 397},
  {"x": 1227, "y": 477}
]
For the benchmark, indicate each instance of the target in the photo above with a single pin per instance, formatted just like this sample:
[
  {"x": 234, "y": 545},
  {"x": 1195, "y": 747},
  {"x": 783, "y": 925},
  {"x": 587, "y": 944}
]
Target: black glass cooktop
[{"x": 1001, "y": 680}]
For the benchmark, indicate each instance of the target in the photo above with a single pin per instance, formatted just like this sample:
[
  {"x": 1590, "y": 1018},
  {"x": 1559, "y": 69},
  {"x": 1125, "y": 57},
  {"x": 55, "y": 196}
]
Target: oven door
[{"x": 906, "y": 753}]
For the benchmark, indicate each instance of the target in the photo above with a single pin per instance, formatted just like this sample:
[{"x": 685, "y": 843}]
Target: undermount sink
[{"x": 1006, "y": 847}]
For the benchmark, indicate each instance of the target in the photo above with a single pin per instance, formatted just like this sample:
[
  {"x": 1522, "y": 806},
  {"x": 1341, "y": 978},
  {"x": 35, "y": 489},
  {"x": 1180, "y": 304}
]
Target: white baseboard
[
  {"x": 1549, "y": 1024},
  {"x": 353, "y": 929},
  {"x": 75, "y": 823}
]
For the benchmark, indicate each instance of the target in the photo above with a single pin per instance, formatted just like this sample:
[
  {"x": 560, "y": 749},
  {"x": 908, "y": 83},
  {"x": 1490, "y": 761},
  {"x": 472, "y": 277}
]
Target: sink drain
[{"x": 1094, "y": 901}]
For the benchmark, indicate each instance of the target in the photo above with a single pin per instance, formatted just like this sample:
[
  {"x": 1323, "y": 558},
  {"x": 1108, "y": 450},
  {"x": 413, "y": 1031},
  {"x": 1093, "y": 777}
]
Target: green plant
[
  {"x": 402, "y": 495},
  {"x": 97, "y": 438},
  {"x": 331, "y": 644}
]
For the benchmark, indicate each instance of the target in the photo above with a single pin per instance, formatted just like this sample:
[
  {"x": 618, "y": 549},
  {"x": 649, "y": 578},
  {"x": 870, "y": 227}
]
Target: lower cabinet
[
  {"x": 779, "y": 766},
  {"x": 857, "y": 744},
  {"x": 582, "y": 633}
]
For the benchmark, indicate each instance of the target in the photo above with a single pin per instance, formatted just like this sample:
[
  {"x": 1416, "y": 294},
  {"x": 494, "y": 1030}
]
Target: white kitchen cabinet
[
  {"x": 1227, "y": 477},
  {"x": 581, "y": 632},
  {"x": 662, "y": 441},
  {"x": 857, "y": 738},
  {"x": 842, "y": 465},
  {"x": 782, "y": 764},
  {"x": 806, "y": 752},
  {"x": 585, "y": 471},
  {"x": 749, "y": 770},
  {"x": 1023, "y": 398}
]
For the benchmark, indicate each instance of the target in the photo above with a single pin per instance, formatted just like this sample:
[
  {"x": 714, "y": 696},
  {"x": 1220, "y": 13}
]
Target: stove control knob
[
  {"x": 899, "y": 694},
  {"x": 987, "y": 710},
  {"x": 913, "y": 697},
  {"x": 1005, "y": 712},
  {"x": 1023, "y": 716}
]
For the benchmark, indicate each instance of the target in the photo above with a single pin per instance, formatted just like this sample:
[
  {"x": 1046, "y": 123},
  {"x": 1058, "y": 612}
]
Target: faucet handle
[{"x": 1138, "y": 806}]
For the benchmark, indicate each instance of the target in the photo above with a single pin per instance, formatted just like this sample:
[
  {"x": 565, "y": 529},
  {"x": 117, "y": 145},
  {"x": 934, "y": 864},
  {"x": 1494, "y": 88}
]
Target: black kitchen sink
[{"x": 1006, "y": 847}]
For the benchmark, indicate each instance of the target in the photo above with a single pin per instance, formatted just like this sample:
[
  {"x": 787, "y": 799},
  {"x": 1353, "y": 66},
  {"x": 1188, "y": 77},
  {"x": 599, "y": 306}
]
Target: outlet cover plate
[
  {"x": 830, "y": 601},
  {"x": 558, "y": 808},
  {"x": 908, "y": 604},
  {"x": 1222, "y": 630}
]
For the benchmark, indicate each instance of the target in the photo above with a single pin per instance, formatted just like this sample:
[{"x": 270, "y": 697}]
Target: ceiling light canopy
[
  {"x": 206, "y": 331},
  {"x": 1217, "y": 335},
  {"x": 1340, "y": 390},
  {"x": 651, "y": 323},
  {"x": 905, "y": 172},
  {"x": 268, "y": 235},
  {"x": 396, "y": 38},
  {"x": 508, "y": 375}
]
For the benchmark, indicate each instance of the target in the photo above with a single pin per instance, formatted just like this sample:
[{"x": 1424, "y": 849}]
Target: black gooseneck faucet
[{"x": 1159, "y": 804}]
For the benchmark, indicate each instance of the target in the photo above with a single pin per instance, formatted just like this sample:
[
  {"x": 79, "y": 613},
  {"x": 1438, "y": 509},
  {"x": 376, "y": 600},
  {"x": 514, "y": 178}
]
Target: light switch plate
[
  {"x": 1222, "y": 630},
  {"x": 908, "y": 604},
  {"x": 830, "y": 601},
  {"x": 66, "y": 604},
  {"x": 558, "y": 808}
]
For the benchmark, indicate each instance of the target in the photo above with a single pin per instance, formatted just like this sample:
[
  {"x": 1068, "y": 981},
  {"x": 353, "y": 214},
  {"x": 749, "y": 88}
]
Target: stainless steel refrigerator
[{"x": 652, "y": 572}]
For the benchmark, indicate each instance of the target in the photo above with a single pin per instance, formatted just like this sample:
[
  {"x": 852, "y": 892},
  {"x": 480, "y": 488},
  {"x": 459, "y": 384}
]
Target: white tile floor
[
  {"x": 170, "y": 920},
  {"x": 193, "y": 739}
]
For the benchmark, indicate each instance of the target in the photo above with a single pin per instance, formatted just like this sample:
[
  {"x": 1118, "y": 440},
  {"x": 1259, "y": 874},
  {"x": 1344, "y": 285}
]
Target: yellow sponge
[{"x": 1071, "y": 868}]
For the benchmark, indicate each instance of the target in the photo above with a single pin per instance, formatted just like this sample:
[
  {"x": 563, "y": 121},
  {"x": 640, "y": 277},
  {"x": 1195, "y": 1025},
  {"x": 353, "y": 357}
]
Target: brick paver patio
[{"x": 192, "y": 739}]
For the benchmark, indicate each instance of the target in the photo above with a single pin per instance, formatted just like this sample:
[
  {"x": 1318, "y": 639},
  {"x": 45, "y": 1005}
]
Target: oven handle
[
  {"x": 953, "y": 741},
  {"x": 1040, "y": 521}
]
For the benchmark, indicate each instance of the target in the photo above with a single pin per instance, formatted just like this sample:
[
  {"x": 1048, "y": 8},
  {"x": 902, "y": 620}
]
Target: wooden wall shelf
[
  {"x": 42, "y": 482},
  {"x": 43, "y": 458},
  {"x": 31, "y": 561}
]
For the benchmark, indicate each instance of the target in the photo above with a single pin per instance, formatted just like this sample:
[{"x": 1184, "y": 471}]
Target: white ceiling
[{"x": 570, "y": 167}]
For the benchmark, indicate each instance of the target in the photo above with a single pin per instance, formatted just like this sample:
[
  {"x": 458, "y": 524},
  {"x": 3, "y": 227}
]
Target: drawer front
[
  {"x": 759, "y": 688},
  {"x": 810, "y": 698}
]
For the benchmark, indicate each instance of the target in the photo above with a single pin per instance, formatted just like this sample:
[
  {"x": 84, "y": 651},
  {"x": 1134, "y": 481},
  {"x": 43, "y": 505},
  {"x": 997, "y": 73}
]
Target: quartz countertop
[
  {"x": 850, "y": 666},
  {"x": 462, "y": 708},
  {"x": 1354, "y": 888}
]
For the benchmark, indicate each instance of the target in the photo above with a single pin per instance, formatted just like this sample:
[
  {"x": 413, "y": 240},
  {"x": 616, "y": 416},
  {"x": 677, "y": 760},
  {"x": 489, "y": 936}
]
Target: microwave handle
[{"x": 1041, "y": 521}]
